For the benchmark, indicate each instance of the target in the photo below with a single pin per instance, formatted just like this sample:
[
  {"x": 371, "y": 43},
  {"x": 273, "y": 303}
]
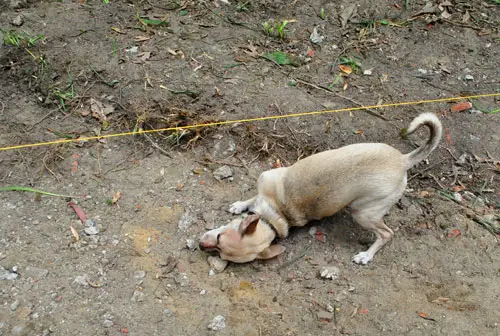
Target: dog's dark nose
[{"x": 201, "y": 246}]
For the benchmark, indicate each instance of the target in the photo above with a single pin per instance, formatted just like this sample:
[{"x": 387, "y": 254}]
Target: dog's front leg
[{"x": 242, "y": 206}]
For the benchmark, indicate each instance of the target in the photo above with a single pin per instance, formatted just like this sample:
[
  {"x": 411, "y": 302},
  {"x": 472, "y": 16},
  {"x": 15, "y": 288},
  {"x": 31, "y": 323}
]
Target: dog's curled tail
[{"x": 432, "y": 122}]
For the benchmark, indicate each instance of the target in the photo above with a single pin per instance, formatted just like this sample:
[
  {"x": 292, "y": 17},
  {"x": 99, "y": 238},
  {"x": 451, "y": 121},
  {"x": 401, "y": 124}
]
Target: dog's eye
[{"x": 218, "y": 238}]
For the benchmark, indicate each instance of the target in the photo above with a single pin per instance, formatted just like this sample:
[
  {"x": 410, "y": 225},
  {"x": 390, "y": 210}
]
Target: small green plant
[
  {"x": 350, "y": 61},
  {"x": 243, "y": 6},
  {"x": 277, "y": 29},
  {"x": 20, "y": 39},
  {"x": 66, "y": 93},
  {"x": 322, "y": 13}
]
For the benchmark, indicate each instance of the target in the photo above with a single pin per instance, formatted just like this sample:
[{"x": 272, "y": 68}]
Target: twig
[
  {"x": 426, "y": 169},
  {"x": 437, "y": 181},
  {"x": 449, "y": 151},
  {"x": 298, "y": 257},
  {"x": 155, "y": 145},
  {"x": 367, "y": 110}
]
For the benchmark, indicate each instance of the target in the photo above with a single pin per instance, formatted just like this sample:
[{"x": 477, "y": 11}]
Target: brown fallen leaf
[
  {"x": 75, "y": 233},
  {"x": 441, "y": 300},
  {"x": 345, "y": 68},
  {"x": 141, "y": 38},
  {"x": 117, "y": 30},
  {"x": 462, "y": 106},
  {"x": 425, "y": 316},
  {"x": 116, "y": 197},
  {"x": 79, "y": 212}
]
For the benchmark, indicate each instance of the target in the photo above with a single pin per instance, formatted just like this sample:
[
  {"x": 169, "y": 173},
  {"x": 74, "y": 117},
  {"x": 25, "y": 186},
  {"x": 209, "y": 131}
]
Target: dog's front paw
[
  {"x": 362, "y": 258},
  {"x": 238, "y": 207}
]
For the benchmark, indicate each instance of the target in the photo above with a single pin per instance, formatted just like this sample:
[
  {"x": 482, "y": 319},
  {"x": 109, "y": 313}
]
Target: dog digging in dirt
[{"x": 367, "y": 177}]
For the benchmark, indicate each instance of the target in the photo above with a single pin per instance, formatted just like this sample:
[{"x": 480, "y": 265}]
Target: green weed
[
  {"x": 322, "y": 13},
  {"x": 277, "y": 29}
]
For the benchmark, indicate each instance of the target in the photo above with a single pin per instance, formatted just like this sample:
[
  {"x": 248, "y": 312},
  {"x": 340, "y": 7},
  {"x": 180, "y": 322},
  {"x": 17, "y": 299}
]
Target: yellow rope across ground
[{"x": 227, "y": 122}]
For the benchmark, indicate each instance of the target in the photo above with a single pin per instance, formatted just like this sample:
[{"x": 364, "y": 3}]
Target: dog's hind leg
[
  {"x": 382, "y": 232},
  {"x": 242, "y": 206}
]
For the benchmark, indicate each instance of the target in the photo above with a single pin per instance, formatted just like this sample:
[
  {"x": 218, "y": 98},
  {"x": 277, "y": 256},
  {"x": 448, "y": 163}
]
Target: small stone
[
  {"x": 132, "y": 51},
  {"x": 223, "y": 173},
  {"x": 81, "y": 280},
  {"x": 312, "y": 231},
  {"x": 351, "y": 288},
  {"x": 457, "y": 197},
  {"x": 329, "y": 308},
  {"x": 89, "y": 222},
  {"x": 147, "y": 250},
  {"x": 139, "y": 274},
  {"x": 14, "y": 305},
  {"x": 316, "y": 37},
  {"x": 469, "y": 77},
  {"x": 217, "y": 264},
  {"x": 422, "y": 71},
  {"x": 331, "y": 272},
  {"x": 324, "y": 315},
  {"x": 185, "y": 221},
  {"x": 35, "y": 272},
  {"x": 138, "y": 296},
  {"x": 203, "y": 292},
  {"x": 367, "y": 72},
  {"x": 191, "y": 244},
  {"x": 91, "y": 230},
  {"x": 107, "y": 323},
  {"x": 218, "y": 323},
  {"x": 211, "y": 272},
  {"x": 18, "y": 21},
  {"x": 7, "y": 275}
]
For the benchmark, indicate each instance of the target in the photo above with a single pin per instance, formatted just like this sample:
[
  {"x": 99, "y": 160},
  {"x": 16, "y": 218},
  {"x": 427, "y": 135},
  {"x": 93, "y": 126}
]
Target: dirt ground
[{"x": 87, "y": 68}]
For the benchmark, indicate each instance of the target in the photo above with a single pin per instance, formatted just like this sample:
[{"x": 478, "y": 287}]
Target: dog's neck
[{"x": 277, "y": 227}]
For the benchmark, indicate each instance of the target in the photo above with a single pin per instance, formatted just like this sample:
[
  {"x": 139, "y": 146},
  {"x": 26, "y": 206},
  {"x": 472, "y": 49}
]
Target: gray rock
[
  {"x": 218, "y": 323},
  {"x": 35, "y": 272},
  {"x": 107, "y": 323},
  {"x": 18, "y": 21},
  {"x": 91, "y": 230},
  {"x": 81, "y": 280},
  {"x": 469, "y": 77},
  {"x": 223, "y": 173},
  {"x": 89, "y": 222},
  {"x": 217, "y": 264},
  {"x": 186, "y": 221},
  {"x": 191, "y": 244},
  {"x": 138, "y": 296},
  {"x": 139, "y": 274},
  {"x": 330, "y": 272},
  {"x": 14, "y": 305},
  {"x": 7, "y": 275}
]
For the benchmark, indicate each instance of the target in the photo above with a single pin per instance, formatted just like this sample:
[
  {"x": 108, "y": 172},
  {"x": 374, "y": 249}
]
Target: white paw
[
  {"x": 238, "y": 207},
  {"x": 362, "y": 258}
]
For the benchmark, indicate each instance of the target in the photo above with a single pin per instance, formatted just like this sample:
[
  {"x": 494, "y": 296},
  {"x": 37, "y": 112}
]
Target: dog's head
[{"x": 242, "y": 240}]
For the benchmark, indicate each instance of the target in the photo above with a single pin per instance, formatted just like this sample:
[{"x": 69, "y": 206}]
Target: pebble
[
  {"x": 218, "y": 323},
  {"x": 191, "y": 244},
  {"x": 35, "y": 272},
  {"x": 203, "y": 292},
  {"x": 107, "y": 323},
  {"x": 132, "y": 51},
  {"x": 422, "y": 71},
  {"x": 329, "y": 308},
  {"x": 217, "y": 264},
  {"x": 367, "y": 72},
  {"x": 81, "y": 280},
  {"x": 138, "y": 296},
  {"x": 14, "y": 305},
  {"x": 139, "y": 274},
  {"x": 469, "y": 77},
  {"x": 89, "y": 222},
  {"x": 185, "y": 221},
  {"x": 223, "y": 173},
  {"x": 91, "y": 230},
  {"x": 331, "y": 272},
  {"x": 211, "y": 272},
  {"x": 18, "y": 21},
  {"x": 7, "y": 275}
]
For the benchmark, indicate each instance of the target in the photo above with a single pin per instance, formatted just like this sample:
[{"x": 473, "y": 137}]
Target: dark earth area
[{"x": 115, "y": 252}]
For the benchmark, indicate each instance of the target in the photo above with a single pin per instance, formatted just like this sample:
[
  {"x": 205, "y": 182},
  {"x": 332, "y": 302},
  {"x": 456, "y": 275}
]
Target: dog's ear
[
  {"x": 248, "y": 225},
  {"x": 271, "y": 252}
]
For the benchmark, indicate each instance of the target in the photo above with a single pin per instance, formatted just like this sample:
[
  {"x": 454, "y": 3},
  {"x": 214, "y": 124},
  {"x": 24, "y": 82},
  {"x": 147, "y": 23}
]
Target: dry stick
[
  {"x": 155, "y": 145},
  {"x": 421, "y": 172},
  {"x": 367, "y": 110},
  {"x": 437, "y": 181}
]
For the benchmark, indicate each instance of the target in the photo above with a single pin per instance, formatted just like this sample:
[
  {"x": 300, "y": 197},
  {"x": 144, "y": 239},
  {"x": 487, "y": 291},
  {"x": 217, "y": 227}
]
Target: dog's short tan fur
[{"x": 367, "y": 177}]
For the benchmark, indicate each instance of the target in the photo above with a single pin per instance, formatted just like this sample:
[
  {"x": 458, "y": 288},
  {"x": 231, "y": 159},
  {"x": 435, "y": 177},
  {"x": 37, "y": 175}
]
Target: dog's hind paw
[
  {"x": 362, "y": 258},
  {"x": 238, "y": 207}
]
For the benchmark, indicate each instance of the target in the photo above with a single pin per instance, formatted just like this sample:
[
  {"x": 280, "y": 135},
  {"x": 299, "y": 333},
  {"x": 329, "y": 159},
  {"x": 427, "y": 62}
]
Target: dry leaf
[
  {"x": 75, "y": 233},
  {"x": 141, "y": 38},
  {"x": 116, "y": 197},
  {"x": 459, "y": 107},
  {"x": 117, "y": 30},
  {"x": 345, "y": 68}
]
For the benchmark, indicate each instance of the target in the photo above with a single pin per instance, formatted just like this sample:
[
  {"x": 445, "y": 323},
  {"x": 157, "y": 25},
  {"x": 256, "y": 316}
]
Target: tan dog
[{"x": 368, "y": 177}]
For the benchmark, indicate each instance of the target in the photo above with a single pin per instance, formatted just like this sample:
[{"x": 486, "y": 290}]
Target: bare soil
[{"x": 134, "y": 274}]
